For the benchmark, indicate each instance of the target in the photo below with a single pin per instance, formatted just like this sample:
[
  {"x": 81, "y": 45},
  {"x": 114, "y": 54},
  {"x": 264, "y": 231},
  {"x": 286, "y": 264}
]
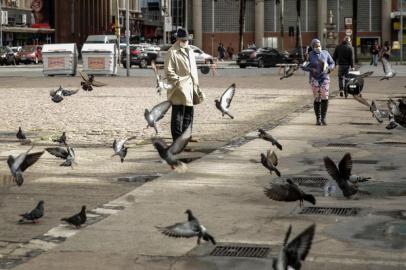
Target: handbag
[{"x": 198, "y": 95}]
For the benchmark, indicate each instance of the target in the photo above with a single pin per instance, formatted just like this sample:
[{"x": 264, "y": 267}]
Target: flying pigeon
[
  {"x": 295, "y": 251},
  {"x": 270, "y": 161},
  {"x": 268, "y": 137},
  {"x": 397, "y": 113},
  {"x": 34, "y": 215},
  {"x": 156, "y": 114},
  {"x": 61, "y": 139},
  {"x": 119, "y": 148},
  {"x": 68, "y": 155},
  {"x": 20, "y": 134},
  {"x": 288, "y": 71},
  {"x": 289, "y": 192},
  {"x": 160, "y": 84},
  {"x": 169, "y": 153},
  {"x": 376, "y": 113},
  {"x": 224, "y": 103},
  {"x": 88, "y": 82},
  {"x": 20, "y": 163},
  {"x": 387, "y": 69},
  {"x": 342, "y": 175},
  {"x": 78, "y": 219},
  {"x": 188, "y": 229},
  {"x": 58, "y": 94}
]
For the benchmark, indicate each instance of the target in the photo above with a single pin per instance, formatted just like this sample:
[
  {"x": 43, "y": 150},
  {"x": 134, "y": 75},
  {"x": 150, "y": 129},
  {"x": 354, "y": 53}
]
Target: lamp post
[
  {"x": 1, "y": 24},
  {"x": 127, "y": 36}
]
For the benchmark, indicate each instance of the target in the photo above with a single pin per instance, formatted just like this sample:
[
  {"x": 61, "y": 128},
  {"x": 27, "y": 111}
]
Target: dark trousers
[
  {"x": 182, "y": 117},
  {"x": 342, "y": 71}
]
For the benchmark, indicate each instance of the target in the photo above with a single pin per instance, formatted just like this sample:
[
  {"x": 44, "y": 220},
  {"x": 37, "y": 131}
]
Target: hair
[{"x": 314, "y": 41}]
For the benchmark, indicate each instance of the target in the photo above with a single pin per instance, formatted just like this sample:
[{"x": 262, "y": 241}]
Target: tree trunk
[
  {"x": 354, "y": 28},
  {"x": 281, "y": 10}
]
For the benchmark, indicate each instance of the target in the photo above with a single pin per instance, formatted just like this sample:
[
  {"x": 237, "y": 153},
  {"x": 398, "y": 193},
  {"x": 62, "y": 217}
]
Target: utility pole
[
  {"x": 400, "y": 3},
  {"x": 242, "y": 22},
  {"x": 354, "y": 28},
  {"x": 281, "y": 4},
  {"x": 165, "y": 13},
  {"x": 1, "y": 25},
  {"x": 127, "y": 36},
  {"x": 299, "y": 43}
]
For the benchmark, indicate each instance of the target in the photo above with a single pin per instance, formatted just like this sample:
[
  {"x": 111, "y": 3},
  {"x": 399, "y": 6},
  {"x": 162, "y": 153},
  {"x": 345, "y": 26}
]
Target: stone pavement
[{"x": 225, "y": 190}]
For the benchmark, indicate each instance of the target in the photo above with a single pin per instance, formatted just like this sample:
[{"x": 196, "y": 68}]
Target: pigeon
[
  {"x": 21, "y": 163},
  {"x": 61, "y": 139},
  {"x": 295, "y": 251},
  {"x": 289, "y": 192},
  {"x": 68, "y": 155},
  {"x": 270, "y": 161},
  {"x": 168, "y": 153},
  {"x": 58, "y": 94},
  {"x": 156, "y": 114},
  {"x": 160, "y": 84},
  {"x": 78, "y": 219},
  {"x": 288, "y": 71},
  {"x": 88, "y": 82},
  {"x": 268, "y": 137},
  {"x": 376, "y": 113},
  {"x": 397, "y": 113},
  {"x": 387, "y": 69},
  {"x": 34, "y": 215},
  {"x": 20, "y": 134},
  {"x": 119, "y": 148},
  {"x": 342, "y": 175},
  {"x": 224, "y": 103},
  {"x": 188, "y": 229}
]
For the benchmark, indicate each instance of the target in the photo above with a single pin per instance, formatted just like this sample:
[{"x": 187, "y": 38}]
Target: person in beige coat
[{"x": 181, "y": 71}]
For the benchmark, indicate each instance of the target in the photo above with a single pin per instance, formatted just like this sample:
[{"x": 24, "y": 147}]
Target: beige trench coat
[{"x": 181, "y": 70}]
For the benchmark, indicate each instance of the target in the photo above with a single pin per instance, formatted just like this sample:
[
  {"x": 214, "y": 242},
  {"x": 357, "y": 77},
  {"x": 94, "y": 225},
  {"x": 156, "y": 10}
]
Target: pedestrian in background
[
  {"x": 385, "y": 51},
  {"x": 320, "y": 65},
  {"x": 344, "y": 57},
  {"x": 222, "y": 51},
  {"x": 181, "y": 71},
  {"x": 375, "y": 48},
  {"x": 230, "y": 51}
]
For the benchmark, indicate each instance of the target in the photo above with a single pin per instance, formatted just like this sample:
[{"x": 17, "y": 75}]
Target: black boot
[
  {"x": 324, "y": 106},
  {"x": 316, "y": 106}
]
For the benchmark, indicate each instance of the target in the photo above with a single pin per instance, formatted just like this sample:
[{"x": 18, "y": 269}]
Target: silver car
[{"x": 202, "y": 58}]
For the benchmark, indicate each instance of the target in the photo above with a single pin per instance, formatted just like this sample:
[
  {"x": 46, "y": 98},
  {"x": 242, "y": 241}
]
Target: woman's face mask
[
  {"x": 317, "y": 48},
  {"x": 183, "y": 43}
]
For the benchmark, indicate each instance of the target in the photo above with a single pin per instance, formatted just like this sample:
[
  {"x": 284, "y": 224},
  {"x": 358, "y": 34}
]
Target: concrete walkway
[{"x": 225, "y": 191}]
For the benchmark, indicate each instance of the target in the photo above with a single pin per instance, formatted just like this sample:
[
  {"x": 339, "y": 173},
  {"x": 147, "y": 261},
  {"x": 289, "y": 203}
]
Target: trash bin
[
  {"x": 60, "y": 59},
  {"x": 99, "y": 59}
]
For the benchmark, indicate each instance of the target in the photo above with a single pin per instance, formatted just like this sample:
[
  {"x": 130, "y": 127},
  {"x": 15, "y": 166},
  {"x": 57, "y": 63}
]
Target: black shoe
[
  {"x": 341, "y": 93},
  {"x": 323, "y": 122},
  {"x": 316, "y": 106},
  {"x": 324, "y": 107},
  {"x": 391, "y": 125},
  {"x": 318, "y": 123}
]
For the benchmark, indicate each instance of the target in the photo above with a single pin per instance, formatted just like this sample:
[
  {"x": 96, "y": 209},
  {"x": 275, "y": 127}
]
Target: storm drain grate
[
  {"x": 330, "y": 211},
  {"x": 392, "y": 143},
  {"x": 342, "y": 145},
  {"x": 310, "y": 180},
  {"x": 364, "y": 161},
  {"x": 376, "y": 132},
  {"x": 361, "y": 124},
  {"x": 241, "y": 251}
]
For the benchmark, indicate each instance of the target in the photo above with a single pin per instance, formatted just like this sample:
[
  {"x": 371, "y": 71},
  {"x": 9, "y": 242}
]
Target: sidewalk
[{"x": 225, "y": 191}]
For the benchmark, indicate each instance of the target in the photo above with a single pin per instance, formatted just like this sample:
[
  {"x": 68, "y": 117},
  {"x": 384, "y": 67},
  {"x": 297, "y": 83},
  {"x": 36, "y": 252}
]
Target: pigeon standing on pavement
[
  {"x": 188, "y": 229},
  {"x": 67, "y": 154},
  {"x": 160, "y": 84},
  {"x": 225, "y": 101},
  {"x": 58, "y": 94},
  {"x": 34, "y": 215},
  {"x": 387, "y": 69},
  {"x": 77, "y": 220},
  {"x": 21, "y": 163},
  {"x": 168, "y": 153},
  {"x": 61, "y": 139},
  {"x": 270, "y": 161},
  {"x": 397, "y": 113},
  {"x": 20, "y": 134},
  {"x": 268, "y": 137},
  {"x": 293, "y": 253},
  {"x": 89, "y": 81},
  {"x": 120, "y": 149},
  {"x": 156, "y": 114},
  {"x": 289, "y": 192}
]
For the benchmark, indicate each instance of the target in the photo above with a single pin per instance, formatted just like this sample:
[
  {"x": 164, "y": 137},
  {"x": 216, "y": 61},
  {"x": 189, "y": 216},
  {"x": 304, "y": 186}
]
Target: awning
[
  {"x": 396, "y": 14},
  {"x": 13, "y": 29}
]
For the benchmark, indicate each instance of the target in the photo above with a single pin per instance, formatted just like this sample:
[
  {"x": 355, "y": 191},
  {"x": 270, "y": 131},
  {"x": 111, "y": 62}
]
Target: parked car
[
  {"x": 6, "y": 56},
  {"x": 201, "y": 57},
  {"x": 31, "y": 54},
  {"x": 262, "y": 57},
  {"x": 138, "y": 56}
]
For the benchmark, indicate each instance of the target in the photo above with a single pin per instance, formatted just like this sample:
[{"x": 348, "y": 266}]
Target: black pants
[
  {"x": 342, "y": 71},
  {"x": 182, "y": 117}
]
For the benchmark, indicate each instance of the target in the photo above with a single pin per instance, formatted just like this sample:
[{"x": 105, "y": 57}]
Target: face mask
[
  {"x": 183, "y": 44},
  {"x": 317, "y": 50}
]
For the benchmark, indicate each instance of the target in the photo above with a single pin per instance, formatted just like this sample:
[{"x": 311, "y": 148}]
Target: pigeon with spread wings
[
  {"x": 268, "y": 137},
  {"x": 397, "y": 113},
  {"x": 120, "y": 149},
  {"x": 89, "y": 81},
  {"x": 58, "y": 94},
  {"x": 160, "y": 84},
  {"x": 270, "y": 161},
  {"x": 67, "y": 154},
  {"x": 156, "y": 114},
  {"x": 225, "y": 101},
  {"x": 289, "y": 192},
  {"x": 21, "y": 163}
]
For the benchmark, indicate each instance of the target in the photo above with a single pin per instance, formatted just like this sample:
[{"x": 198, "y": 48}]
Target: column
[
  {"x": 321, "y": 19},
  {"x": 197, "y": 23},
  {"x": 386, "y": 20},
  {"x": 259, "y": 23}
]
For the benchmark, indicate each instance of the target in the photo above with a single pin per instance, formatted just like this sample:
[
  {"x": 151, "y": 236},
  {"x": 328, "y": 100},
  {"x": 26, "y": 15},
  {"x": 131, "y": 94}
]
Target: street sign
[
  {"x": 348, "y": 21},
  {"x": 348, "y": 32},
  {"x": 168, "y": 24}
]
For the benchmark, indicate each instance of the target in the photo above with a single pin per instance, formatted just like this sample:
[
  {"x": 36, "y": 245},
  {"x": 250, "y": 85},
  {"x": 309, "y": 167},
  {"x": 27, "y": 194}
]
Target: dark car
[
  {"x": 262, "y": 57},
  {"x": 138, "y": 56},
  {"x": 295, "y": 54},
  {"x": 7, "y": 56}
]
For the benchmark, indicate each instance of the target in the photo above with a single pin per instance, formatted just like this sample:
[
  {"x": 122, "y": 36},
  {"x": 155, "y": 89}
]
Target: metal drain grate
[
  {"x": 342, "y": 145},
  {"x": 364, "y": 161},
  {"x": 330, "y": 211},
  {"x": 361, "y": 124},
  {"x": 241, "y": 251},
  {"x": 376, "y": 132},
  {"x": 310, "y": 180},
  {"x": 392, "y": 143}
]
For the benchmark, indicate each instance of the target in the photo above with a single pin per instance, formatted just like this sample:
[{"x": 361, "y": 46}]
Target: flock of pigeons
[{"x": 291, "y": 254}]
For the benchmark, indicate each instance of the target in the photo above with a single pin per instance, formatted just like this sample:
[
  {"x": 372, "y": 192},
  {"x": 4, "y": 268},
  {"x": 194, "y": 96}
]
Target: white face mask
[
  {"x": 317, "y": 50},
  {"x": 184, "y": 44}
]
